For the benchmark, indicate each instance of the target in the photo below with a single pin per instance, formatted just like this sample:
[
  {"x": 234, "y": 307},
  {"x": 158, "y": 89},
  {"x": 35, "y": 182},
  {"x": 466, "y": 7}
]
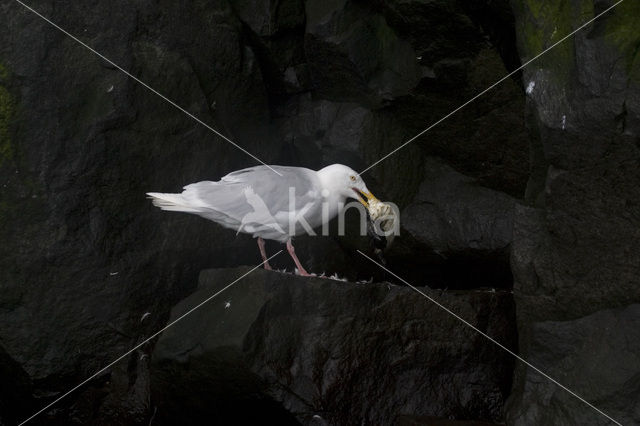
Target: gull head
[{"x": 345, "y": 182}]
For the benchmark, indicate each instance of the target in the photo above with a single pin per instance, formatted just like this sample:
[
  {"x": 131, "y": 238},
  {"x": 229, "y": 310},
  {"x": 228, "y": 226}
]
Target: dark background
[{"x": 525, "y": 206}]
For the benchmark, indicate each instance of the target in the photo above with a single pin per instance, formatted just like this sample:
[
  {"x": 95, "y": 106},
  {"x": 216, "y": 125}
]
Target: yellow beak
[{"x": 365, "y": 197}]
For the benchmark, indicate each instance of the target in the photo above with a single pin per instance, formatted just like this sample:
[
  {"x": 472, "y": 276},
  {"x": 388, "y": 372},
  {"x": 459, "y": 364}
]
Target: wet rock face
[
  {"x": 597, "y": 354},
  {"x": 84, "y": 256},
  {"x": 342, "y": 351},
  {"x": 576, "y": 253},
  {"x": 15, "y": 392},
  {"x": 450, "y": 213},
  {"x": 466, "y": 228}
]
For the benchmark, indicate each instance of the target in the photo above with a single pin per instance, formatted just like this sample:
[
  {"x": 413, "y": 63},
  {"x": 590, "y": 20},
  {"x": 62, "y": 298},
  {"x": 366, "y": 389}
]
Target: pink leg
[
  {"x": 292, "y": 253},
  {"x": 263, "y": 253}
]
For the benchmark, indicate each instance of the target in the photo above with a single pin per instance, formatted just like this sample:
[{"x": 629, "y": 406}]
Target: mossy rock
[
  {"x": 546, "y": 23},
  {"x": 7, "y": 108},
  {"x": 621, "y": 33}
]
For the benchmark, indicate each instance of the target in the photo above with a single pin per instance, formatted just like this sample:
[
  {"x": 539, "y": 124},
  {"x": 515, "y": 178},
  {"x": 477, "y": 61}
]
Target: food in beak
[{"x": 381, "y": 225}]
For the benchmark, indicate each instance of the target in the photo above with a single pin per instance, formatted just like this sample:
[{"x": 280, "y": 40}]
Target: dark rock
[
  {"x": 346, "y": 352},
  {"x": 576, "y": 252},
  {"x": 462, "y": 230},
  {"x": 545, "y": 293},
  {"x": 84, "y": 255},
  {"x": 16, "y": 402},
  {"x": 487, "y": 139},
  {"x": 385, "y": 63},
  {"x": 596, "y": 357},
  {"x": 435, "y": 421},
  {"x": 451, "y": 213}
]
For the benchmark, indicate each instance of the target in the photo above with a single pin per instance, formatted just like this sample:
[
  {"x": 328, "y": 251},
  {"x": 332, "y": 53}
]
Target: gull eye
[{"x": 353, "y": 178}]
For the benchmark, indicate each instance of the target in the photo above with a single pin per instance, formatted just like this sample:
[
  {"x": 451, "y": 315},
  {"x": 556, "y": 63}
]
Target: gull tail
[{"x": 172, "y": 202}]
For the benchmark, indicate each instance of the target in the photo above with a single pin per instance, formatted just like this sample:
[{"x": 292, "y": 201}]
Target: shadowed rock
[
  {"x": 575, "y": 252},
  {"x": 597, "y": 356},
  {"x": 319, "y": 347}
]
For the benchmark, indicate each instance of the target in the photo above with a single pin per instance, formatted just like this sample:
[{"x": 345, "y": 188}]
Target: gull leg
[
  {"x": 263, "y": 253},
  {"x": 292, "y": 253}
]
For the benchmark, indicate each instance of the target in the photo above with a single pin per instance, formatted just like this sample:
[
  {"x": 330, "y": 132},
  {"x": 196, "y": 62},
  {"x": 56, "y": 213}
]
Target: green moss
[
  {"x": 544, "y": 22},
  {"x": 21, "y": 202},
  {"x": 621, "y": 33},
  {"x": 6, "y": 114},
  {"x": 622, "y": 26},
  {"x": 547, "y": 23},
  {"x": 4, "y": 74},
  {"x": 7, "y": 108},
  {"x": 384, "y": 34}
]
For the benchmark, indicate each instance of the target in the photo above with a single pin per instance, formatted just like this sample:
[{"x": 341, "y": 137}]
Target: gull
[{"x": 273, "y": 206}]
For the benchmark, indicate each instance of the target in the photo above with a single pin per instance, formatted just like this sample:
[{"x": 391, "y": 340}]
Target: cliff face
[
  {"x": 575, "y": 254},
  {"x": 331, "y": 352},
  {"x": 538, "y": 178}
]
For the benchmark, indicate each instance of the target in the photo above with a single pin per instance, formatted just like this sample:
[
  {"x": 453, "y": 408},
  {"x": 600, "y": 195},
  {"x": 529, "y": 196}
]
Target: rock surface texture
[
  {"x": 339, "y": 352},
  {"x": 576, "y": 253},
  {"x": 535, "y": 187}
]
